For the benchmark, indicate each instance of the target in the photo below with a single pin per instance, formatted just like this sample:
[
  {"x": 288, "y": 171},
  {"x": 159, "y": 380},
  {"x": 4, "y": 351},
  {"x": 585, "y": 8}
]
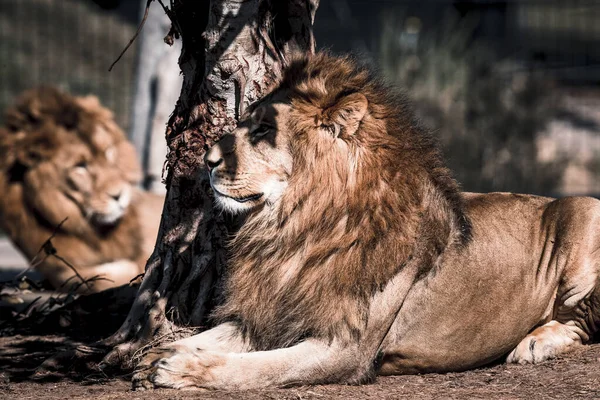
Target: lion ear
[
  {"x": 88, "y": 102},
  {"x": 346, "y": 114}
]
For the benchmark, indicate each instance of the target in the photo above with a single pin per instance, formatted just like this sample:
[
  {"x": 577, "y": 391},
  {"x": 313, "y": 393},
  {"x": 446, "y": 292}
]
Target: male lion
[
  {"x": 65, "y": 158},
  {"x": 358, "y": 254}
]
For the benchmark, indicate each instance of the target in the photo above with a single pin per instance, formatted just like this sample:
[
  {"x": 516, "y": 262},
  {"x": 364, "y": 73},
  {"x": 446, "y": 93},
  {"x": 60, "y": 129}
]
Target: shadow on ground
[{"x": 575, "y": 375}]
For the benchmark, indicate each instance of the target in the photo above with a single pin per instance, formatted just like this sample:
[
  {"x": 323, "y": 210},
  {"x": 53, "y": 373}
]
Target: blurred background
[{"x": 511, "y": 88}]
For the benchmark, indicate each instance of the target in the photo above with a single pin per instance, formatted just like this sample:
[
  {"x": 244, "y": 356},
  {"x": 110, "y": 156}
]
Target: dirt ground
[{"x": 574, "y": 376}]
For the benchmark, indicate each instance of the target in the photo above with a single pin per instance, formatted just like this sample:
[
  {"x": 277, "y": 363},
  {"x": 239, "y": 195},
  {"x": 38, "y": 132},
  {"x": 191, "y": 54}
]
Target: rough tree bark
[{"x": 233, "y": 50}]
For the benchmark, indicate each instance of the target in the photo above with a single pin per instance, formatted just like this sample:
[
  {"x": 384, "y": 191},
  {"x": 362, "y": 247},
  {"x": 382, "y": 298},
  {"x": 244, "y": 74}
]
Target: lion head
[
  {"x": 70, "y": 149},
  {"x": 61, "y": 178},
  {"x": 331, "y": 170},
  {"x": 285, "y": 135},
  {"x": 69, "y": 173}
]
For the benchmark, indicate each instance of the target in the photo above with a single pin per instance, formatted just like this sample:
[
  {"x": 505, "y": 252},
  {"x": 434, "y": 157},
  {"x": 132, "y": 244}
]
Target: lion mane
[
  {"x": 60, "y": 151},
  {"x": 81, "y": 115},
  {"x": 343, "y": 255}
]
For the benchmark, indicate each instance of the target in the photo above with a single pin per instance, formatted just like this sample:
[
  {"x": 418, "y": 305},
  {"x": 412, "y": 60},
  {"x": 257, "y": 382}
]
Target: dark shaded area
[
  {"x": 355, "y": 25},
  {"x": 87, "y": 318},
  {"x": 20, "y": 356},
  {"x": 58, "y": 338},
  {"x": 128, "y": 10},
  {"x": 573, "y": 376},
  {"x": 108, "y": 4},
  {"x": 69, "y": 44}
]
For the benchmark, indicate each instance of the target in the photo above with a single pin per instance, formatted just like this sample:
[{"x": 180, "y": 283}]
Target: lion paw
[
  {"x": 530, "y": 351},
  {"x": 546, "y": 342},
  {"x": 143, "y": 372},
  {"x": 173, "y": 368}
]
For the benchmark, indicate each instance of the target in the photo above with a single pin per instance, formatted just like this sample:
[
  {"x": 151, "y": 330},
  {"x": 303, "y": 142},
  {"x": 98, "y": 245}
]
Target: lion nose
[{"x": 213, "y": 158}]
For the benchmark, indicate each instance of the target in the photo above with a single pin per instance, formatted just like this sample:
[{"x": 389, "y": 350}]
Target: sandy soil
[{"x": 574, "y": 376}]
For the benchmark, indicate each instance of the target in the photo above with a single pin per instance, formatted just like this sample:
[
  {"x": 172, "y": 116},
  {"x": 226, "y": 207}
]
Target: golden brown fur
[
  {"x": 83, "y": 116},
  {"x": 66, "y": 158},
  {"x": 389, "y": 166},
  {"x": 356, "y": 243}
]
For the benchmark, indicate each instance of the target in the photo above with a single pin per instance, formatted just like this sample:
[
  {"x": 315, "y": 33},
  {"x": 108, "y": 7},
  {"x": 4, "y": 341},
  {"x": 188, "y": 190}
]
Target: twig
[
  {"x": 68, "y": 264},
  {"x": 135, "y": 278},
  {"x": 173, "y": 333},
  {"x": 139, "y": 29},
  {"x": 27, "y": 310},
  {"x": 32, "y": 265},
  {"x": 73, "y": 288},
  {"x": 67, "y": 281},
  {"x": 170, "y": 14},
  {"x": 46, "y": 247}
]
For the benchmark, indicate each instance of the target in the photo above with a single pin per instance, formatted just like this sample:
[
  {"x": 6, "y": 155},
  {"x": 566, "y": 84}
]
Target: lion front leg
[
  {"x": 309, "y": 362},
  {"x": 175, "y": 368},
  {"x": 312, "y": 361}
]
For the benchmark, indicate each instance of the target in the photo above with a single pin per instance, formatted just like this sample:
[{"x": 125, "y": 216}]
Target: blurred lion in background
[{"x": 66, "y": 159}]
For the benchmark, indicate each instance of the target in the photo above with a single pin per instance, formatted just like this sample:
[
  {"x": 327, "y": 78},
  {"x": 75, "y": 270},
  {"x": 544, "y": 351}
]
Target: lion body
[
  {"x": 532, "y": 260},
  {"x": 79, "y": 173},
  {"x": 357, "y": 242}
]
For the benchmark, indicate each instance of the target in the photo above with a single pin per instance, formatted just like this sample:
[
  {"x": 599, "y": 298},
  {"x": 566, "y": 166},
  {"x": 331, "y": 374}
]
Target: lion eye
[
  {"x": 261, "y": 131},
  {"x": 81, "y": 164}
]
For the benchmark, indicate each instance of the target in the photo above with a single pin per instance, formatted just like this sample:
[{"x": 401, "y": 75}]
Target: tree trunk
[{"x": 233, "y": 50}]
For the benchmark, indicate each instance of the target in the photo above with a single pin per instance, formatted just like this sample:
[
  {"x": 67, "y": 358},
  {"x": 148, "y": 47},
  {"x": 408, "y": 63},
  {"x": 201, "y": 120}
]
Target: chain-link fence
[{"x": 69, "y": 44}]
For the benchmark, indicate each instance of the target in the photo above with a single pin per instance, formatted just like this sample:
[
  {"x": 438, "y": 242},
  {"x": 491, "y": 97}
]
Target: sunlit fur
[
  {"x": 65, "y": 158},
  {"x": 365, "y": 194}
]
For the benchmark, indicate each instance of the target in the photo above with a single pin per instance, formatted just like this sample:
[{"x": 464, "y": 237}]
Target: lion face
[
  {"x": 283, "y": 137},
  {"x": 250, "y": 166},
  {"x": 71, "y": 158},
  {"x": 62, "y": 177}
]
